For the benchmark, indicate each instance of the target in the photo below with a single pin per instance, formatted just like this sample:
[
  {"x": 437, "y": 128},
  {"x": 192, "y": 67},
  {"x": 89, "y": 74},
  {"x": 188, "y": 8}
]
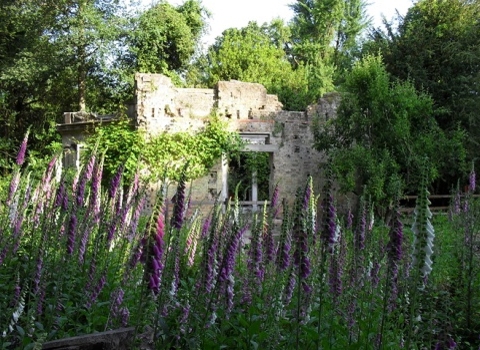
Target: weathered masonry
[{"x": 284, "y": 136}]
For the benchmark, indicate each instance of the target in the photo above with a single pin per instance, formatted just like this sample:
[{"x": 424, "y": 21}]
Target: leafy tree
[
  {"x": 166, "y": 37},
  {"x": 437, "y": 47},
  {"x": 55, "y": 56},
  {"x": 25, "y": 61},
  {"x": 325, "y": 32},
  {"x": 86, "y": 34},
  {"x": 256, "y": 54},
  {"x": 383, "y": 135}
]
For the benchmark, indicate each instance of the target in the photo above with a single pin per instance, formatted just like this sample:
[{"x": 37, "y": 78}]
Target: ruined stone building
[{"x": 258, "y": 117}]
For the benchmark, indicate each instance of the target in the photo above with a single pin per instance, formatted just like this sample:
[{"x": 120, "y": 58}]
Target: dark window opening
[{"x": 249, "y": 173}]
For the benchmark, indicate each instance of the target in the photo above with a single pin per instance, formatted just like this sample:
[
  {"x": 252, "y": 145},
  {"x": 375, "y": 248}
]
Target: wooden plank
[{"x": 117, "y": 339}]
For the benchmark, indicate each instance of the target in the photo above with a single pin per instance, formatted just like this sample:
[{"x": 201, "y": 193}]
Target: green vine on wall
[{"x": 166, "y": 153}]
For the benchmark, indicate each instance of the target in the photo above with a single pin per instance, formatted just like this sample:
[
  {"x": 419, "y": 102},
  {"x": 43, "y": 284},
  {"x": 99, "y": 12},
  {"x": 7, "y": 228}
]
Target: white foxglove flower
[{"x": 424, "y": 236}]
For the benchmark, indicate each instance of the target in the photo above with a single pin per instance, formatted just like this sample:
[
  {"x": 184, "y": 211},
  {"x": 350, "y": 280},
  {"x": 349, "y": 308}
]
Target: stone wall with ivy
[
  {"x": 247, "y": 109},
  {"x": 162, "y": 109}
]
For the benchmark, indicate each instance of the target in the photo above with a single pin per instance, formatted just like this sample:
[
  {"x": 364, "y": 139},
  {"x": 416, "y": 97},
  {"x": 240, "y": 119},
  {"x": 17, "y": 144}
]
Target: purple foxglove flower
[
  {"x": 38, "y": 274},
  {"x": 396, "y": 240},
  {"x": 96, "y": 292},
  {"x": 117, "y": 299},
  {"x": 330, "y": 229},
  {"x": 179, "y": 203},
  {"x": 450, "y": 342},
  {"x": 90, "y": 167},
  {"x": 124, "y": 315},
  {"x": 300, "y": 236},
  {"x": 61, "y": 199},
  {"x": 232, "y": 249},
  {"x": 133, "y": 190},
  {"x": 22, "y": 150},
  {"x": 472, "y": 181},
  {"x": 284, "y": 256},
  {"x": 83, "y": 244},
  {"x": 285, "y": 244},
  {"x": 304, "y": 267},
  {"x": 17, "y": 234},
  {"x": 96, "y": 184},
  {"x": 360, "y": 230},
  {"x": 154, "y": 283},
  {"x": 156, "y": 253},
  {"x": 81, "y": 191},
  {"x": 230, "y": 293},
  {"x": 306, "y": 288},
  {"x": 206, "y": 227},
  {"x": 115, "y": 183},
  {"x": 40, "y": 301},
  {"x": 267, "y": 236},
  {"x": 375, "y": 278},
  {"x": 138, "y": 252},
  {"x": 424, "y": 235},
  {"x": 111, "y": 231},
  {"x": 275, "y": 197},
  {"x": 335, "y": 277},
  {"x": 91, "y": 274},
  {"x": 47, "y": 178},
  {"x": 307, "y": 195},
  {"x": 349, "y": 219},
  {"x": 17, "y": 292},
  {"x": 191, "y": 245},
  {"x": 13, "y": 186},
  {"x": 290, "y": 287},
  {"x": 456, "y": 205},
  {"x": 255, "y": 255},
  {"x": 176, "y": 275},
  {"x": 72, "y": 226},
  {"x": 3, "y": 254},
  {"x": 209, "y": 266},
  {"x": 135, "y": 218}
]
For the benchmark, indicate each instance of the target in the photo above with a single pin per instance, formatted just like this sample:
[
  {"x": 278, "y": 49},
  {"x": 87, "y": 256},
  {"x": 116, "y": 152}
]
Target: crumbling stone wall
[{"x": 248, "y": 109}]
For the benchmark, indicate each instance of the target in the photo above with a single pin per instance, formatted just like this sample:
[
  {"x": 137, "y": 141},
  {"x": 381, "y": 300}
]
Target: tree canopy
[
  {"x": 437, "y": 48},
  {"x": 166, "y": 37},
  {"x": 384, "y": 135},
  {"x": 68, "y": 55}
]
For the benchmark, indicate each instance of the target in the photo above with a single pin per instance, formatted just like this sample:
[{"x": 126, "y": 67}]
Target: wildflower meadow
[{"x": 78, "y": 256}]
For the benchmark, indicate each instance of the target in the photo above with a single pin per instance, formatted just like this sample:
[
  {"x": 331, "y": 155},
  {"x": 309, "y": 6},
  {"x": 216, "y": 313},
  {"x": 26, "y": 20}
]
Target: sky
[{"x": 237, "y": 13}]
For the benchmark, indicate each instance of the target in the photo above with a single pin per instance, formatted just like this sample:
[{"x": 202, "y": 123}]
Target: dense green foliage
[
  {"x": 58, "y": 56},
  {"x": 166, "y": 37},
  {"x": 437, "y": 48},
  {"x": 163, "y": 155},
  {"x": 326, "y": 34},
  {"x": 232, "y": 280},
  {"x": 256, "y": 54},
  {"x": 383, "y": 135}
]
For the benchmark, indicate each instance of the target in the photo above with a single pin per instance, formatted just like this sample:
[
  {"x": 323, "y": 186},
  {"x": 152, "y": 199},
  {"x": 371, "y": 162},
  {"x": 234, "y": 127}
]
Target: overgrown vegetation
[
  {"x": 162, "y": 155},
  {"x": 229, "y": 280},
  {"x": 58, "y": 56},
  {"x": 407, "y": 122}
]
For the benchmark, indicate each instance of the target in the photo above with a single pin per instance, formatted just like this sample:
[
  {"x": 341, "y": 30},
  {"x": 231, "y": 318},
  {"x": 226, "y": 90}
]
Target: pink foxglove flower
[{"x": 23, "y": 148}]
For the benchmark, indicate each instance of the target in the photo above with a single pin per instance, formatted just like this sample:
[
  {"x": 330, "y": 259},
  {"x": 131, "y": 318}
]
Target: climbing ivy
[{"x": 165, "y": 154}]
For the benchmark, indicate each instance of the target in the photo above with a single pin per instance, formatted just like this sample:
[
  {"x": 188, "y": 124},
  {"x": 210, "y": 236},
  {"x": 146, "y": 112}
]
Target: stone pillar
[
  {"x": 224, "y": 192},
  {"x": 254, "y": 192}
]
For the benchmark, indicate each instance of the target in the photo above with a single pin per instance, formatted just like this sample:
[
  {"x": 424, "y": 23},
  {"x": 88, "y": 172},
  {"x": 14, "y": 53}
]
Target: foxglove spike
[{"x": 21, "y": 152}]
